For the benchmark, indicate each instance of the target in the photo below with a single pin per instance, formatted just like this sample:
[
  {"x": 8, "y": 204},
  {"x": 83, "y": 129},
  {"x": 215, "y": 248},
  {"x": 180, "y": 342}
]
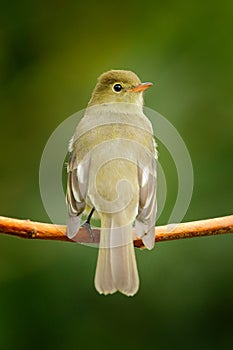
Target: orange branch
[{"x": 37, "y": 230}]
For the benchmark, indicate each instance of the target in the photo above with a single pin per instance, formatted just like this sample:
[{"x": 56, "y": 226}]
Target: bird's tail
[{"x": 116, "y": 268}]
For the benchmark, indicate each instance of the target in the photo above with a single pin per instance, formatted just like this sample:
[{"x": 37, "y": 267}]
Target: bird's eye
[{"x": 117, "y": 87}]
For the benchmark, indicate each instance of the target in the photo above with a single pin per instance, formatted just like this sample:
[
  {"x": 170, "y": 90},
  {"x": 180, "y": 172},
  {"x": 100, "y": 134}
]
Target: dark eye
[{"x": 117, "y": 87}]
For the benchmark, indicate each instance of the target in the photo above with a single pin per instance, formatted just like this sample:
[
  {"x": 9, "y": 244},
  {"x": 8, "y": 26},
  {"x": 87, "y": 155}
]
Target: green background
[{"x": 51, "y": 53}]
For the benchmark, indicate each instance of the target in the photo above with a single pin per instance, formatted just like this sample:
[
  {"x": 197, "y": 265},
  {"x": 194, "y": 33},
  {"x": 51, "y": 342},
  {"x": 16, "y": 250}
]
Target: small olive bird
[{"x": 112, "y": 174}]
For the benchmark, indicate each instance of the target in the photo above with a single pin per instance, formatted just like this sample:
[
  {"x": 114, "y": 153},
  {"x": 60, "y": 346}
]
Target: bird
[{"x": 112, "y": 175}]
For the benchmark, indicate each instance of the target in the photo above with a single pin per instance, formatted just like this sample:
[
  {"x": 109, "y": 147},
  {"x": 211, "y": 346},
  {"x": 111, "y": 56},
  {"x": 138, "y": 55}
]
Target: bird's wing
[
  {"x": 77, "y": 185},
  {"x": 145, "y": 220}
]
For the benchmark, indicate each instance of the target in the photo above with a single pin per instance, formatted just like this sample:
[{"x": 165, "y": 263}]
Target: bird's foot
[{"x": 87, "y": 226}]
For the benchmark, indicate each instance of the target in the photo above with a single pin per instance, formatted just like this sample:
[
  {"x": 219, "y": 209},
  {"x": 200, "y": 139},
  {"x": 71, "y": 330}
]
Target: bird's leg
[{"x": 87, "y": 224}]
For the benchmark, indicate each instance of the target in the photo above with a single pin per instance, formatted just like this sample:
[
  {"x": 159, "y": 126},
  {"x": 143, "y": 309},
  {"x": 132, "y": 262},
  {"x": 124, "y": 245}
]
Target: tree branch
[{"x": 37, "y": 230}]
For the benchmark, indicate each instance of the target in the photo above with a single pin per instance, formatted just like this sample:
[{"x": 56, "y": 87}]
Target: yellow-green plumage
[{"x": 112, "y": 169}]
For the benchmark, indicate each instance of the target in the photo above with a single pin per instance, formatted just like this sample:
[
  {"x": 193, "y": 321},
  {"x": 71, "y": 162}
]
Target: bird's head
[{"x": 117, "y": 86}]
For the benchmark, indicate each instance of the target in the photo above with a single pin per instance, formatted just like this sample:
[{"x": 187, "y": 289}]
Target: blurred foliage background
[{"x": 51, "y": 53}]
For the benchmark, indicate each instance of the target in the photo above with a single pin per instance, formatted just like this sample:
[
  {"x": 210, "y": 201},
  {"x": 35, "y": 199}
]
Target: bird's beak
[{"x": 140, "y": 87}]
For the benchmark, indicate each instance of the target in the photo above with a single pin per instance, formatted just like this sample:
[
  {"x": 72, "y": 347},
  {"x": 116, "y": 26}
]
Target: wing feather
[
  {"x": 145, "y": 221},
  {"x": 77, "y": 186}
]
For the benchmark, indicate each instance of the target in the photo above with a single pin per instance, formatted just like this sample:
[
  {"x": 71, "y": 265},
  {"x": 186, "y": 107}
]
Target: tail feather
[
  {"x": 103, "y": 275},
  {"x": 116, "y": 266}
]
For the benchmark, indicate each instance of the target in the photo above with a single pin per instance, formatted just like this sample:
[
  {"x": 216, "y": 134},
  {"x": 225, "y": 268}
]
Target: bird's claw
[{"x": 89, "y": 229}]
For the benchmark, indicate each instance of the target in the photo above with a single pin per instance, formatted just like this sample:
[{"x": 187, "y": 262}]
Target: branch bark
[{"x": 37, "y": 230}]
